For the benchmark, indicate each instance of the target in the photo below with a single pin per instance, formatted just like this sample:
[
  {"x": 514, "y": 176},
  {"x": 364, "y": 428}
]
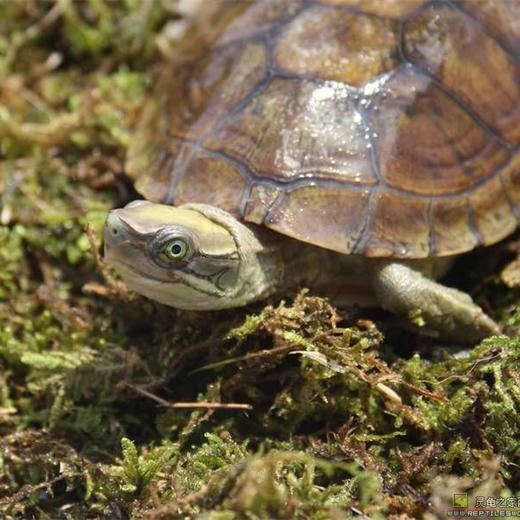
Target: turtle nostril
[{"x": 113, "y": 226}]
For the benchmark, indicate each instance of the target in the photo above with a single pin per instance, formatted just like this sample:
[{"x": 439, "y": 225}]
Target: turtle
[{"x": 353, "y": 147}]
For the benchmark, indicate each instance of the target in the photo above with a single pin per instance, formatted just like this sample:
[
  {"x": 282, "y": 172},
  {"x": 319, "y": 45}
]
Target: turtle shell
[{"x": 385, "y": 128}]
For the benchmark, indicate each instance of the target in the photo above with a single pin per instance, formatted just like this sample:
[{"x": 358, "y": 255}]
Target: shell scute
[
  {"x": 452, "y": 230},
  {"x": 427, "y": 144},
  {"x": 210, "y": 180},
  {"x": 337, "y": 45},
  {"x": 260, "y": 200},
  {"x": 386, "y": 128},
  {"x": 259, "y": 19},
  {"x": 333, "y": 217},
  {"x": 398, "y": 225},
  {"x": 210, "y": 87},
  {"x": 296, "y": 129},
  {"x": 492, "y": 212},
  {"x": 384, "y": 8},
  {"x": 496, "y": 17},
  {"x": 469, "y": 63},
  {"x": 511, "y": 179}
]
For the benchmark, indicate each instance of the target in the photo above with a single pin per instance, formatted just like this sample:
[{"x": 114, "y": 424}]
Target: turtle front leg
[{"x": 442, "y": 311}]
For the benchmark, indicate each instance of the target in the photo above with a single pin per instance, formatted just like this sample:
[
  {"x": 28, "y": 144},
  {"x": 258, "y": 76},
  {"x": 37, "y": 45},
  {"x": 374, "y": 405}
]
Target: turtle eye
[{"x": 175, "y": 249}]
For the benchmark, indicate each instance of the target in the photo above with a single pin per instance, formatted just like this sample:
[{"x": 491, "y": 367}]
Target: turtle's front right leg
[{"x": 444, "y": 311}]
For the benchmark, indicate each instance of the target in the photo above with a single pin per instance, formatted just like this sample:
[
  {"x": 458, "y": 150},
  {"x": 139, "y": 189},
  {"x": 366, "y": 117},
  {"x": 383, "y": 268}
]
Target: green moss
[
  {"x": 339, "y": 420},
  {"x": 11, "y": 259}
]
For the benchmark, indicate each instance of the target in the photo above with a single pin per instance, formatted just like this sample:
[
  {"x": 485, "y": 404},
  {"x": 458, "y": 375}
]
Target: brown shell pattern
[{"x": 385, "y": 128}]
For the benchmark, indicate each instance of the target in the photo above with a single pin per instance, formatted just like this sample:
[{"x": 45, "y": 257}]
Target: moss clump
[{"x": 115, "y": 407}]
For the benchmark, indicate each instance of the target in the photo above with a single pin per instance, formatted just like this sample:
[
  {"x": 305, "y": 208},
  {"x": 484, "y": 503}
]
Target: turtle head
[{"x": 190, "y": 257}]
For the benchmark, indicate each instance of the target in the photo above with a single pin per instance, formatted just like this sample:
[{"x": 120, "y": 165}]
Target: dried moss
[{"x": 340, "y": 421}]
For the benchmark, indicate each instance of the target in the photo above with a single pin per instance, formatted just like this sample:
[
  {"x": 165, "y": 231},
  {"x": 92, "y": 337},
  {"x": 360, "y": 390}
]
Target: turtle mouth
[
  {"x": 172, "y": 277},
  {"x": 134, "y": 276},
  {"x": 172, "y": 290}
]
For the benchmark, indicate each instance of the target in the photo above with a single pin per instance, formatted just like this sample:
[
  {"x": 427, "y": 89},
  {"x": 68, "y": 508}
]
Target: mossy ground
[{"x": 324, "y": 414}]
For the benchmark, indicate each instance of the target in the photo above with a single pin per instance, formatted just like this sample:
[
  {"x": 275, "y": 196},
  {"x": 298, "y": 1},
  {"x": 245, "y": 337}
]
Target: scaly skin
[{"x": 200, "y": 257}]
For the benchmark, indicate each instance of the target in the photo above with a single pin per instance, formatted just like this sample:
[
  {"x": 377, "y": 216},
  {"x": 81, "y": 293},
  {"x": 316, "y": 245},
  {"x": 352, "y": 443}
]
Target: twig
[
  {"x": 194, "y": 404},
  {"x": 252, "y": 355}
]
